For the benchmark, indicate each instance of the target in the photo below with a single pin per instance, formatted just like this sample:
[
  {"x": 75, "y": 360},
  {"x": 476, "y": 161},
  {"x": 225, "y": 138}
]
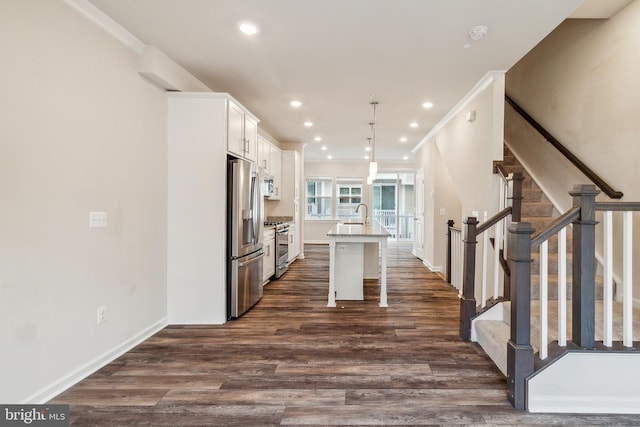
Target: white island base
[{"x": 353, "y": 256}]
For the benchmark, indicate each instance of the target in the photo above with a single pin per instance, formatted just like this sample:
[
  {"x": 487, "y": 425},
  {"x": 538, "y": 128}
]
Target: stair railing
[
  {"x": 473, "y": 229},
  {"x": 594, "y": 177},
  {"x": 454, "y": 256},
  {"x": 521, "y": 361}
]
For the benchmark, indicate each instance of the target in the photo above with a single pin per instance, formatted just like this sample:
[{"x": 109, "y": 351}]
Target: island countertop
[{"x": 374, "y": 229}]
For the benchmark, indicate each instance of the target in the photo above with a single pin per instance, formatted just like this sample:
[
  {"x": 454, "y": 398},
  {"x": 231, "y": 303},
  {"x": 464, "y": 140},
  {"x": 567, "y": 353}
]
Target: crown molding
[
  {"x": 484, "y": 83},
  {"x": 106, "y": 23}
]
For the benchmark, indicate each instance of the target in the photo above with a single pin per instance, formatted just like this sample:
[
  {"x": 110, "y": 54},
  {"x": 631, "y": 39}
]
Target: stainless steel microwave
[{"x": 267, "y": 185}]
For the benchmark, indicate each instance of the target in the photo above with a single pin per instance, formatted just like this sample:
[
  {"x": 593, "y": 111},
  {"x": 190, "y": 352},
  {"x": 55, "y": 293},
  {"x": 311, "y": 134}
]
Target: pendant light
[{"x": 373, "y": 165}]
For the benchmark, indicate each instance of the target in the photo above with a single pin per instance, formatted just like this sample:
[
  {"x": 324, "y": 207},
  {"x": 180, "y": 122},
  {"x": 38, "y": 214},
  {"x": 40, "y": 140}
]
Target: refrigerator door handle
[
  {"x": 254, "y": 208},
  {"x": 254, "y": 258}
]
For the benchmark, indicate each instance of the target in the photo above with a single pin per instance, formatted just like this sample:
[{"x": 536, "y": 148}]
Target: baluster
[
  {"x": 449, "y": 250},
  {"x": 627, "y": 279},
  {"x": 562, "y": 287},
  {"x": 544, "y": 276},
  {"x": 485, "y": 249},
  {"x": 607, "y": 303},
  {"x": 496, "y": 258}
]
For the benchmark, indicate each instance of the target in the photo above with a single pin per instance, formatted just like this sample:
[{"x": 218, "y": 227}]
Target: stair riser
[{"x": 537, "y": 209}]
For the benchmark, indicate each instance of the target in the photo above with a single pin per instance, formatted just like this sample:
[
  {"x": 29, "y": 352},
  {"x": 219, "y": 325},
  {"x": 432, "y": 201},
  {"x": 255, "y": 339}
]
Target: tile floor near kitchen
[{"x": 293, "y": 361}]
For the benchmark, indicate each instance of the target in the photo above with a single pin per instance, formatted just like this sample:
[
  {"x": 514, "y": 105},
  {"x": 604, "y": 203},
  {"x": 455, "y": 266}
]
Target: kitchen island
[{"x": 350, "y": 250}]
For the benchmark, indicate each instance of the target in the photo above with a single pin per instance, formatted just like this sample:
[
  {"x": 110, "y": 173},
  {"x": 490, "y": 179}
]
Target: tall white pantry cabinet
[{"x": 199, "y": 128}]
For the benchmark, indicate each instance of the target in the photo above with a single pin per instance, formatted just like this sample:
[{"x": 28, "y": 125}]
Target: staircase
[
  {"x": 538, "y": 210},
  {"x": 491, "y": 329}
]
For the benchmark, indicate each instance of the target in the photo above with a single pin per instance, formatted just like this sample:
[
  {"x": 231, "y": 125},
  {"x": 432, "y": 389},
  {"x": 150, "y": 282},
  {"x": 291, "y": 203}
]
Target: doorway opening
[{"x": 394, "y": 203}]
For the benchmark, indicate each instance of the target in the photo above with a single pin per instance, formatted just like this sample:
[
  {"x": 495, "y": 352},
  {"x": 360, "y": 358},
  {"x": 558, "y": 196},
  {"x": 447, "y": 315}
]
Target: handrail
[
  {"x": 617, "y": 206},
  {"x": 606, "y": 188},
  {"x": 560, "y": 223},
  {"x": 493, "y": 220},
  {"x": 498, "y": 168}
]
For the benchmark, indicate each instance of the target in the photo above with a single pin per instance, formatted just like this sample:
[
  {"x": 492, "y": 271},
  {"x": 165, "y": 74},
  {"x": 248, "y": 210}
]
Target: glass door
[{"x": 394, "y": 203}]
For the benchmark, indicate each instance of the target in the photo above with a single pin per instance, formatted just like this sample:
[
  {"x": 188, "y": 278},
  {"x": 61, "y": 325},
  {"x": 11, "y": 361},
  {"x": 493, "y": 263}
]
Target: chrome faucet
[{"x": 366, "y": 210}]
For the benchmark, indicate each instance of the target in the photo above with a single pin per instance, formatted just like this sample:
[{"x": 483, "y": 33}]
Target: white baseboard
[
  {"x": 57, "y": 387},
  {"x": 316, "y": 242},
  {"x": 434, "y": 268}
]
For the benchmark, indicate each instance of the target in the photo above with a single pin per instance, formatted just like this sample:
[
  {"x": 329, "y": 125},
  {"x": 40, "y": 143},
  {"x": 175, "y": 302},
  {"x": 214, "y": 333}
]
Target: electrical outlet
[
  {"x": 101, "y": 314},
  {"x": 97, "y": 219}
]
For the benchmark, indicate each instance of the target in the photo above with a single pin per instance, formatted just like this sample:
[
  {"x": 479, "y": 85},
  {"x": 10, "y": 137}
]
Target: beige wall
[
  {"x": 458, "y": 164},
  {"x": 80, "y": 131},
  {"x": 581, "y": 83}
]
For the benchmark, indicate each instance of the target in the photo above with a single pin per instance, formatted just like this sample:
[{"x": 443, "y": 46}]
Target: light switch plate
[
  {"x": 97, "y": 219},
  {"x": 443, "y": 211}
]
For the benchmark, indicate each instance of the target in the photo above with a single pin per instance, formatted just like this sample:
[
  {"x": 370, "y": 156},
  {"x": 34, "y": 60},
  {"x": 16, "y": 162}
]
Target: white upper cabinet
[
  {"x": 264, "y": 155},
  {"x": 242, "y": 128},
  {"x": 275, "y": 169}
]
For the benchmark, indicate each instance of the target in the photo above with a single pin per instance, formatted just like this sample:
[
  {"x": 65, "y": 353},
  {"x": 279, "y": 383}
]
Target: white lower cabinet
[
  {"x": 269, "y": 260},
  {"x": 293, "y": 243}
]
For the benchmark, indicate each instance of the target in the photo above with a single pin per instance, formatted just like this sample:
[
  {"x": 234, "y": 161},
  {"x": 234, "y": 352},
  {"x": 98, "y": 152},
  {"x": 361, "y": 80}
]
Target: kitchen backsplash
[{"x": 280, "y": 218}]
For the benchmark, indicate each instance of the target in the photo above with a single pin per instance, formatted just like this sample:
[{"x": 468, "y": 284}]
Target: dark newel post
[
  {"x": 584, "y": 267},
  {"x": 514, "y": 199},
  {"x": 519, "y": 349},
  {"x": 468, "y": 300},
  {"x": 450, "y": 224},
  {"x": 515, "y": 195}
]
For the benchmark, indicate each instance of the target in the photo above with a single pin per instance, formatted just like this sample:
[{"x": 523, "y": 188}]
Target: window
[
  {"x": 319, "y": 198},
  {"x": 323, "y": 204},
  {"x": 349, "y": 197}
]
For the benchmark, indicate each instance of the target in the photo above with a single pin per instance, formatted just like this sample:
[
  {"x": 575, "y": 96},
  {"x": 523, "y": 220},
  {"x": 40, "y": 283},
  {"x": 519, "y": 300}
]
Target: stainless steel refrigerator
[{"x": 244, "y": 236}]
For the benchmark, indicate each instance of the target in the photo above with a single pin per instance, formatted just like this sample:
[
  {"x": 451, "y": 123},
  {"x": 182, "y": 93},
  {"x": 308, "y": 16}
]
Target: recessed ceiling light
[
  {"x": 405, "y": 158},
  {"x": 413, "y": 125},
  {"x": 366, "y": 157},
  {"x": 317, "y": 139},
  {"x": 403, "y": 139},
  {"x": 427, "y": 105},
  {"x": 323, "y": 148},
  {"x": 295, "y": 103},
  {"x": 367, "y": 148},
  {"x": 329, "y": 157},
  {"x": 248, "y": 28},
  {"x": 308, "y": 124}
]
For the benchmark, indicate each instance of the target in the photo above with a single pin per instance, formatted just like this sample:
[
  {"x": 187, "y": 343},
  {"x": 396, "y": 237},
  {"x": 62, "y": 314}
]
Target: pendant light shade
[
  {"x": 373, "y": 169},
  {"x": 373, "y": 165}
]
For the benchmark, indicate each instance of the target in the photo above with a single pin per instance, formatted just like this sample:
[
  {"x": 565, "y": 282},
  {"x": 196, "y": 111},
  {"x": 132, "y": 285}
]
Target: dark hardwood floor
[{"x": 293, "y": 361}]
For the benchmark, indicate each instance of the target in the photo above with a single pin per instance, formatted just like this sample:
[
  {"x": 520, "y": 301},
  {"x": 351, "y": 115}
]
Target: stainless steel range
[{"x": 282, "y": 245}]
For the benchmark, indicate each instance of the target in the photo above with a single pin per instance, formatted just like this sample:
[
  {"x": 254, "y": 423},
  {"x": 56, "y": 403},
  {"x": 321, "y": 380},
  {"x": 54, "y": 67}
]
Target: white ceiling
[{"x": 333, "y": 55}]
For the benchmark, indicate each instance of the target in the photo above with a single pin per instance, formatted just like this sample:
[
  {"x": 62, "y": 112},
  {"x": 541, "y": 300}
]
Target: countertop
[{"x": 374, "y": 229}]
